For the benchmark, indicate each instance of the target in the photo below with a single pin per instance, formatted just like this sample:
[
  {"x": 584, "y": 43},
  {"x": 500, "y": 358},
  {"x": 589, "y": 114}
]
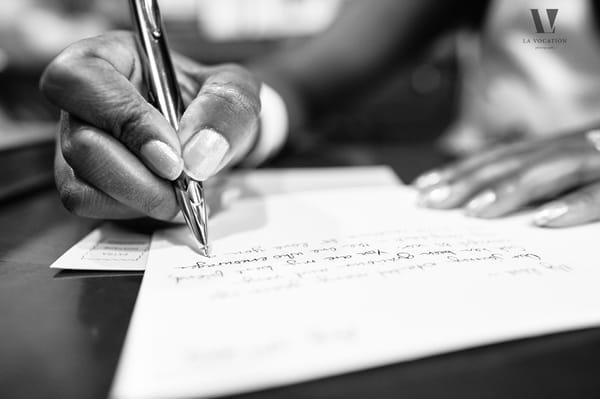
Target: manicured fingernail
[
  {"x": 593, "y": 137},
  {"x": 162, "y": 158},
  {"x": 204, "y": 152},
  {"x": 550, "y": 213},
  {"x": 436, "y": 196},
  {"x": 427, "y": 180},
  {"x": 480, "y": 203}
]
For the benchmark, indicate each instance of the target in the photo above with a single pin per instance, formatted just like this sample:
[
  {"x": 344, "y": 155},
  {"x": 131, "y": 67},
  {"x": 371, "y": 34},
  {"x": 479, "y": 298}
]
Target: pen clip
[
  {"x": 159, "y": 73},
  {"x": 165, "y": 94}
]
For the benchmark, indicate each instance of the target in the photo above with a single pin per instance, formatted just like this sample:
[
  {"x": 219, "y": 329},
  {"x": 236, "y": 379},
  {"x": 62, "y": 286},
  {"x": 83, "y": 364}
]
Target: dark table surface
[{"x": 61, "y": 333}]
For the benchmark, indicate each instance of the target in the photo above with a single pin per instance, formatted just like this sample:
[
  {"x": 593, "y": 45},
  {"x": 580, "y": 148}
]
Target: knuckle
[
  {"x": 117, "y": 48},
  {"x": 103, "y": 46},
  {"x": 75, "y": 65},
  {"x": 234, "y": 98},
  {"x": 59, "y": 71}
]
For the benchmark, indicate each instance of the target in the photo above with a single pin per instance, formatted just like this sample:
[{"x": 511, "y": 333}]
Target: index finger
[{"x": 99, "y": 81}]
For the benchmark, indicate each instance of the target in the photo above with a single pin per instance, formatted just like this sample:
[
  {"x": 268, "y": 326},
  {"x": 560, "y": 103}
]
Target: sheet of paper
[
  {"x": 308, "y": 285},
  {"x": 108, "y": 247},
  {"x": 112, "y": 248}
]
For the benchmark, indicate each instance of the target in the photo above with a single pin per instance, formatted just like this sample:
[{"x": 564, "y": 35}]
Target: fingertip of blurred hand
[
  {"x": 427, "y": 180},
  {"x": 436, "y": 197},
  {"x": 479, "y": 206},
  {"x": 552, "y": 215}
]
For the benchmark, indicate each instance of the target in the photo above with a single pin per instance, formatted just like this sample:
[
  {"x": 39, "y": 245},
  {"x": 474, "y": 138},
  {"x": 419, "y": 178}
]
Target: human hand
[
  {"x": 116, "y": 153},
  {"x": 562, "y": 171}
]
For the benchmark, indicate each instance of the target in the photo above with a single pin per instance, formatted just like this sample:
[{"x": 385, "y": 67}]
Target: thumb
[{"x": 221, "y": 123}]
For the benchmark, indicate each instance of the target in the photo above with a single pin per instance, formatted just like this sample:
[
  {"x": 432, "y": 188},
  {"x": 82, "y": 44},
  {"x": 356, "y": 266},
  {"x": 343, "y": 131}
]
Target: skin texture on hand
[
  {"x": 564, "y": 170},
  {"x": 116, "y": 154}
]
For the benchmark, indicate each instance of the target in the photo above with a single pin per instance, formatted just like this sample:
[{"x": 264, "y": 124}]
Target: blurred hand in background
[{"x": 562, "y": 172}]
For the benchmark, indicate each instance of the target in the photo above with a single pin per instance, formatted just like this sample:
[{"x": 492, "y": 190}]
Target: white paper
[
  {"x": 112, "y": 248},
  {"x": 308, "y": 285}
]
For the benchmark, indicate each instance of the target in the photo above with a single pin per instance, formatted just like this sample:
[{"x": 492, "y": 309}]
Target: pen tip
[{"x": 203, "y": 250}]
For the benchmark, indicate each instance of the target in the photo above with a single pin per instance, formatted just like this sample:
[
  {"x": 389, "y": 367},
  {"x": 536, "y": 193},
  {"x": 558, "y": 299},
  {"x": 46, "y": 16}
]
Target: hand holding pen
[{"x": 117, "y": 155}]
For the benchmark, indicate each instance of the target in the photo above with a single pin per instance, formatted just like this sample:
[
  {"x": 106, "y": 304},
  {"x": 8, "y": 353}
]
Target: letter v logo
[{"x": 551, "y": 13}]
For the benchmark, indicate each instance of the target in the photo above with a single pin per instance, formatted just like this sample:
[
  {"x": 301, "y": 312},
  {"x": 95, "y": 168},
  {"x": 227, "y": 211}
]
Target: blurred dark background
[{"x": 419, "y": 101}]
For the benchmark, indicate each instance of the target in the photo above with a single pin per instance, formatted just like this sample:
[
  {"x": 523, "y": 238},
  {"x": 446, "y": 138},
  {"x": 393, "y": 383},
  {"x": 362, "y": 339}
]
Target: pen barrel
[
  {"x": 164, "y": 93},
  {"x": 157, "y": 65}
]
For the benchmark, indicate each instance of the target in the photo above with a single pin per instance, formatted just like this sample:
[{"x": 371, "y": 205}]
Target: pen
[{"x": 164, "y": 93}]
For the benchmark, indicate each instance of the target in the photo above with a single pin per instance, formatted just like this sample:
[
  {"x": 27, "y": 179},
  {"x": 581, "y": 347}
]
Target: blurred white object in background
[
  {"x": 514, "y": 89},
  {"x": 230, "y": 20},
  {"x": 179, "y": 10},
  {"x": 34, "y": 31}
]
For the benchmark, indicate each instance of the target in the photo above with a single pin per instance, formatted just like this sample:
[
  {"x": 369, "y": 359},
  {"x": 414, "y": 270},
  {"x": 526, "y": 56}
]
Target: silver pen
[{"x": 164, "y": 93}]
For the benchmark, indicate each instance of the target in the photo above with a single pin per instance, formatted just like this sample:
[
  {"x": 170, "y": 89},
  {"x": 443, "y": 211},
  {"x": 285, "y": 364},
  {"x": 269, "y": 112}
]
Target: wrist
[{"x": 273, "y": 128}]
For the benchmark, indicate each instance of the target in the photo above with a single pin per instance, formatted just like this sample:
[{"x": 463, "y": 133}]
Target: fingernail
[
  {"x": 480, "y": 202},
  {"x": 593, "y": 136},
  {"x": 436, "y": 196},
  {"x": 550, "y": 213},
  {"x": 162, "y": 158},
  {"x": 204, "y": 152},
  {"x": 427, "y": 180}
]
